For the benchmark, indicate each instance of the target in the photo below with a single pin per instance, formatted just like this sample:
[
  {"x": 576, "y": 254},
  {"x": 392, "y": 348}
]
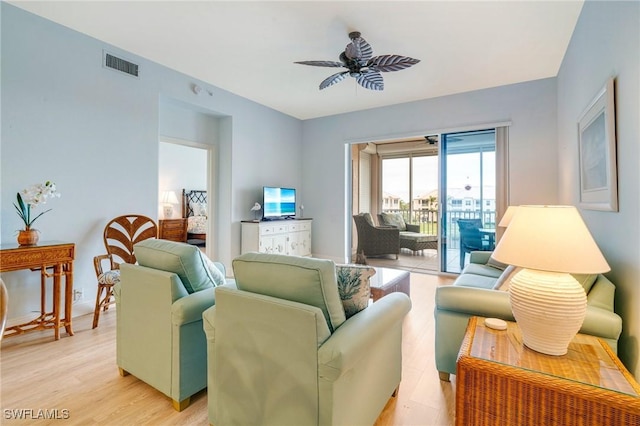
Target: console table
[
  {"x": 47, "y": 255},
  {"x": 499, "y": 381}
]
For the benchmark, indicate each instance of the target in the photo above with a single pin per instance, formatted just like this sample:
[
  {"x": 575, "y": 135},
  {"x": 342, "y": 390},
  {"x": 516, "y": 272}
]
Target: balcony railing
[{"x": 428, "y": 221}]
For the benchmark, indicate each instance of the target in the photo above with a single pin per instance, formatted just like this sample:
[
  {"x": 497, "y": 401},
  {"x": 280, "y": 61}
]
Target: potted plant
[{"x": 28, "y": 198}]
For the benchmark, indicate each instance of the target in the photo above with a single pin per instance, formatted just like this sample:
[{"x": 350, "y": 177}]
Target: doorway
[{"x": 187, "y": 165}]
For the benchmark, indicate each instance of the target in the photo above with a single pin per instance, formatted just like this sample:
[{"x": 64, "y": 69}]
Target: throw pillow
[
  {"x": 354, "y": 287},
  {"x": 394, "y": 219},
  {"x": 495, "y": 264},
  {"x": 368, "y": 218},
  {"x": 216, "y": 274},
  {"x": 503, "y": 281}
]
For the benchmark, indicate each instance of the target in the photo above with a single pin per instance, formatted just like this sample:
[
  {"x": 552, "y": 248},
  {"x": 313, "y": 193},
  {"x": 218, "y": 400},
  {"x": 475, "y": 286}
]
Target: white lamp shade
[
  {"x": 550, "y": 238},
  {"x": 169, "y": 197},
  {"x": 508, "y": 215}
]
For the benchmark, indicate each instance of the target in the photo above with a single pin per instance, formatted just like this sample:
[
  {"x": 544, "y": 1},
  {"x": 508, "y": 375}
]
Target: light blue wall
[
  {"x": 606, "y": 43},
  {"x": 95, "y": 132},
  {"x": 531, "y": 108}
]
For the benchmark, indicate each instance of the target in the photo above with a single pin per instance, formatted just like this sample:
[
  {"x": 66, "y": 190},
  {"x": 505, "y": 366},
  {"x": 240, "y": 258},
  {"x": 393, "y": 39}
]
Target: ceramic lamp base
[
  {"x": 168, "y": 211},
  {"x": 549, "y": 308}
]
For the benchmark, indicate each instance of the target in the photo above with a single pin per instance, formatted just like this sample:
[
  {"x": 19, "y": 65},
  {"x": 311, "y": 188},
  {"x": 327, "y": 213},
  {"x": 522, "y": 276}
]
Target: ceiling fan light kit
[{"x": 362, "y": 65}]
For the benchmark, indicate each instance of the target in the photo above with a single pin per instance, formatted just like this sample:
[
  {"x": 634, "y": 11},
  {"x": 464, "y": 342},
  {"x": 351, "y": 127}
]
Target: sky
[{"x": 462, "y": 169}]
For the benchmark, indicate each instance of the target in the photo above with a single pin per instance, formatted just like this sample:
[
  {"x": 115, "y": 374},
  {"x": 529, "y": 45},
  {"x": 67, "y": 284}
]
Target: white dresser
[{"x": 291, "y": 237}]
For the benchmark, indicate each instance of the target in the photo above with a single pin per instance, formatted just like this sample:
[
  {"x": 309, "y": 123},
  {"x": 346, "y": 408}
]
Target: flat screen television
[{"x": 278, "y": 203}]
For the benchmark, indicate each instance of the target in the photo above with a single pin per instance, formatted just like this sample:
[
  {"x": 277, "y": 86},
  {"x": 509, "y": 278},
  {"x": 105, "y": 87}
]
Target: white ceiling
[{"x": 248, "y": 48}]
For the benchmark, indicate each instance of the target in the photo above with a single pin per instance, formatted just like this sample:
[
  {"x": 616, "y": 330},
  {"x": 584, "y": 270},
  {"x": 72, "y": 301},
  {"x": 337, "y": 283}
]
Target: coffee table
[{"x": 387, "y": 280}]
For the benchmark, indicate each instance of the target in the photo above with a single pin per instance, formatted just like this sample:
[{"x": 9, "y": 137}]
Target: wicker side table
[{"x": 502, "y": 382}]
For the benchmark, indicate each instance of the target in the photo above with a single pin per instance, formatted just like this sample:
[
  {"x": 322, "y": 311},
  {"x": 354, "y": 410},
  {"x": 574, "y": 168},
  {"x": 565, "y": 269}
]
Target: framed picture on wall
[{"x": 597, "y": 150}]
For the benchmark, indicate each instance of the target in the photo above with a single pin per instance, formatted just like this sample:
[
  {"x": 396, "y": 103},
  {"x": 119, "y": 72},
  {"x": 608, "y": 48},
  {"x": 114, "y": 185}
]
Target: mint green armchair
[
  {"x": 473, "y": 294},
  {"x": 159, "y": 335},
  {"x": 282, "y": 353}
]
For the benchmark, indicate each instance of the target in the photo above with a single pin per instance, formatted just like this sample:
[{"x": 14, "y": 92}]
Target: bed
[{"x": 194, "y": 209}]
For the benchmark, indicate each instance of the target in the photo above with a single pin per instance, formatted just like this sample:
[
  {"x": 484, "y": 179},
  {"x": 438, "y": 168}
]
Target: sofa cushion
[
  {"x": 495, "y": 264},
  {"x": 354, "y": 287},
  {"x": 484, "y": 270},
  {"x": 182, "y": 259},
  {"x": 472, "y": 280},
  {"x": 394, "y": 219},
  {"x": 109, "y": 277},
  {"x": 299, "y": 279}
]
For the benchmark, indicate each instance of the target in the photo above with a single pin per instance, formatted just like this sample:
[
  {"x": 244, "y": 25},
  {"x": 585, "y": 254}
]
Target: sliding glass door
[{"x": 467, "y": 196}]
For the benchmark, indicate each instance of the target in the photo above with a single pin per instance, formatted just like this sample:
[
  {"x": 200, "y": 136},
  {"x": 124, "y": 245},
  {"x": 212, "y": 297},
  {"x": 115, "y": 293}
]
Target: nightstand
[
  {"x": 173, "y": 229},
  {"x": 499, "y": 381}
]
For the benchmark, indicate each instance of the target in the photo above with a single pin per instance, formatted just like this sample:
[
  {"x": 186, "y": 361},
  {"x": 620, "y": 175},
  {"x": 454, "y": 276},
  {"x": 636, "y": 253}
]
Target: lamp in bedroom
[
  {"x": 549, "y": 243},
  {"x": 168, "y": 199}
]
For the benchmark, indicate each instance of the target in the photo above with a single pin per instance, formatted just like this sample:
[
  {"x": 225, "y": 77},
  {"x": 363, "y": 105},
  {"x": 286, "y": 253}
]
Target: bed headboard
[{"x": 190, "y": 196}]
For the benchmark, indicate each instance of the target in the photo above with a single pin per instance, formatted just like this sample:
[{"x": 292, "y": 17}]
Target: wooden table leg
[
  {"x": 57, "y": 273},
  {"x": 68, "y": 296}
]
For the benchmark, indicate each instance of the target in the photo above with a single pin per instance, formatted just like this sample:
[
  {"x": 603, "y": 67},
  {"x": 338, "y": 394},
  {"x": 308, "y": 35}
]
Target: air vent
[{"x": 119, "y": 64}]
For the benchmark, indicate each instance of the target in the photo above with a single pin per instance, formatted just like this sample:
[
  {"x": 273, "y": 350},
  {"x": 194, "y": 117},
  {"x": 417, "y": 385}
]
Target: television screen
[{"x": 278, "y": 202}]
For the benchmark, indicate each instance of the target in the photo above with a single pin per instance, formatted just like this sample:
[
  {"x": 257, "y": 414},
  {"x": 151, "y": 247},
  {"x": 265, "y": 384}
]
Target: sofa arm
[
  {"x": 148, "y": 286},
  {"x": 190, "y": 308},
  {"x": 481, "y": 257},
  {"x": 474, "y": 302},
  {"x": 601, "y": 323},
  {"x": 352, "y": 340}
]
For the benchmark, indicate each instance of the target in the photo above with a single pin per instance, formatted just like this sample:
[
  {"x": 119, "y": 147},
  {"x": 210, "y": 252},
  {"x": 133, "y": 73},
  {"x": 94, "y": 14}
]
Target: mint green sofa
[
  {"x": 281, "y": 352},
  {"x": 473, "y": 294},
  {"x": 159, "y": 334}
]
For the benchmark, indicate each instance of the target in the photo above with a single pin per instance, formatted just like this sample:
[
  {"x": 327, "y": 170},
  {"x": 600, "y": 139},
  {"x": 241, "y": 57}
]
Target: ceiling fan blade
[
  {"x": 371, "y": 80},
  {"x": 386, "y": 63},
  {"x": 359, "y": 49},
  {"x": 331, "y": 80},
  {"x": 321, "y": 63}
]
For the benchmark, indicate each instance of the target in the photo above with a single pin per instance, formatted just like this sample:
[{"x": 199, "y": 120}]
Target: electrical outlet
[{"x": 77, "y": 294}]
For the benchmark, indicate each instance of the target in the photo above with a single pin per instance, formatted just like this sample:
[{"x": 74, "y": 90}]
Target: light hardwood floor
[{"x": 79, "y": 374}]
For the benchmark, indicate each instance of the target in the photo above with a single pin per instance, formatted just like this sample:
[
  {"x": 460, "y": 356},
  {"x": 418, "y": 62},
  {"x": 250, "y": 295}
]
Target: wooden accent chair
[{"x": 120, "y": 235}]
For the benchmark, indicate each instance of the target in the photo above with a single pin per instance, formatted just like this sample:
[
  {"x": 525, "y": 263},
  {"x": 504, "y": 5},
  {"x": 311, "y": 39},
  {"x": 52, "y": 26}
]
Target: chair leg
[
  {"x": 107, "y": 299},
  {"x": 102, "y": 303},
  {"x": 181, "y": 405},
  {"x": 123, "y": 372},
  {"x": 96, "y": 311}
]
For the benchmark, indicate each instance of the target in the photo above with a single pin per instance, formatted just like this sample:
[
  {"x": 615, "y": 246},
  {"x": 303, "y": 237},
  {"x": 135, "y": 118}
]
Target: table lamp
[
  {"x": 549, "y": 243},
  {"x": 506, "y": 218},
  {"x": 168, "y": 198}
]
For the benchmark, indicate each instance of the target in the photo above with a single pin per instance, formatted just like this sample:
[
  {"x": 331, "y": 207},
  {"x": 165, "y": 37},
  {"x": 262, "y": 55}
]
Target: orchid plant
[{"x": 33, "y": 196}]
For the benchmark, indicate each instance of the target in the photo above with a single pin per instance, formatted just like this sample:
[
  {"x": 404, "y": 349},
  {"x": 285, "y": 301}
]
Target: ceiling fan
[{"x": 362, "y": 65}]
